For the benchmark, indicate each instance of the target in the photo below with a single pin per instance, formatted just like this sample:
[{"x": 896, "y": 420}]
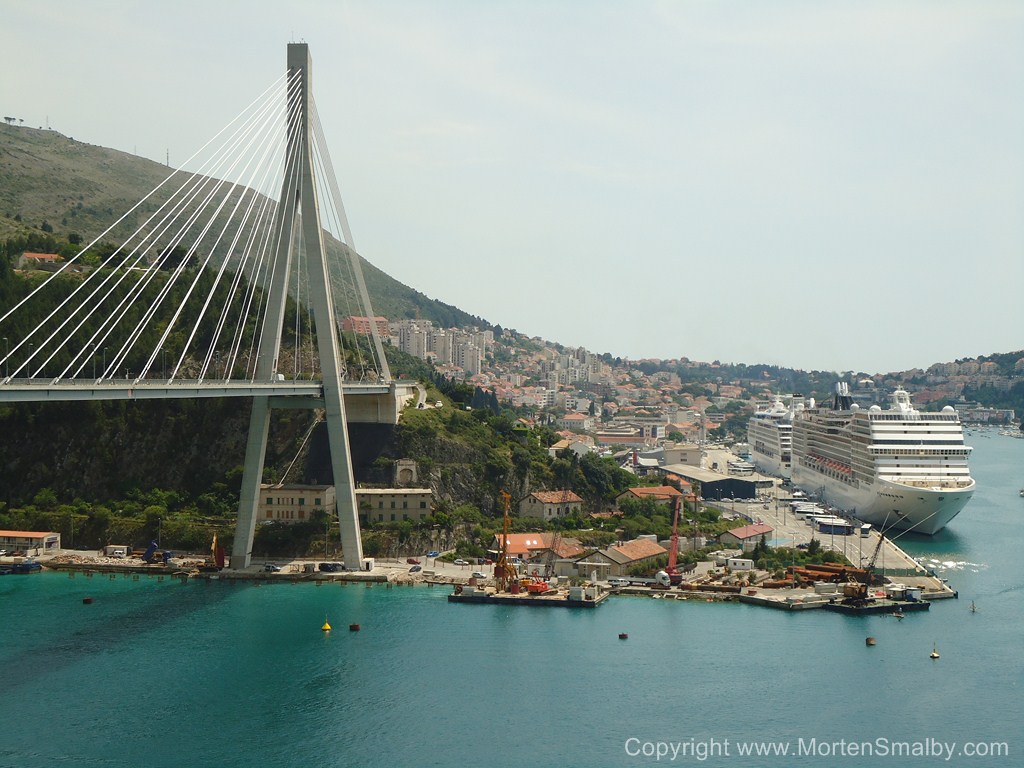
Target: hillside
[{"x": 50, "y": 183}]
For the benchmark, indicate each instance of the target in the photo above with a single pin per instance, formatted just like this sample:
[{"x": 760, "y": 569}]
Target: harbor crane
[
  {"x": 671, "y": 577},
  {"x": 505, "y": 574}
]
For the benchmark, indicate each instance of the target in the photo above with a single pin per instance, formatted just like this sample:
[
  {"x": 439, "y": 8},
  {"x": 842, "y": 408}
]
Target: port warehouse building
[
  {"x": 29, "y": 542},
  {"x": 715, "y": 485}
]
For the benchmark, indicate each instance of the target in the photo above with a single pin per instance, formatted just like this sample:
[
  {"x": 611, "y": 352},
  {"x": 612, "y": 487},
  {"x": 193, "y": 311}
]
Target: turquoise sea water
[{"x": 159, "y": 673}]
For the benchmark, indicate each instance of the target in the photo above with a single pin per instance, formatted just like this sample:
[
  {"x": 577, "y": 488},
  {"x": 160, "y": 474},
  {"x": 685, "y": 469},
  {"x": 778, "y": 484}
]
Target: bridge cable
[{"x": 175, "y": 203}]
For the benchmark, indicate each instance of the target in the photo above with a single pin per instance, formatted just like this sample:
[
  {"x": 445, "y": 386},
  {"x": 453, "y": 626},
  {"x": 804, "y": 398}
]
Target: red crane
[
  {"x": 675, "y": 577},
  {"x": 671, "y": 575}
]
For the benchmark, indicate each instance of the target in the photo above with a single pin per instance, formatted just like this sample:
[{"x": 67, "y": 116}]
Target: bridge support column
[
  {"x": 299, "y": 211},
  {"x": 252, "y": 475}
]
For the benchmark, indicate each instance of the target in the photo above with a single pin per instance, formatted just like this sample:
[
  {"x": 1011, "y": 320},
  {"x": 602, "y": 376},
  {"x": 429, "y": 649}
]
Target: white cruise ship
[
  {"x": 896, "y": 468},
  {"x": 770, "y": 437}
]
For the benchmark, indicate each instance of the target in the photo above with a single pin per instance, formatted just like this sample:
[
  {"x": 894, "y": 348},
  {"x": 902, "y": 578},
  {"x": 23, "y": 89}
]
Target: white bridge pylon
[
  {"x": 196, "y": 301},
  {"x": 299, "y": 219}
]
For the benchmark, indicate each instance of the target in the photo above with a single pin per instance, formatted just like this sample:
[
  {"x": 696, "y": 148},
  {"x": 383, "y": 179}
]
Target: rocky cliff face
[{"x": 98, "y": 451}]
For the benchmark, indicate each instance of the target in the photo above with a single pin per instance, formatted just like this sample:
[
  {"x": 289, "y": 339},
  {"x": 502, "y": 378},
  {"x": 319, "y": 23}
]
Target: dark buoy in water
[
  {"x": 869, "y": 641},
  {"x": 353, "y": 627},
  {"x": 623, "y": 636},
  {"x": 87, "y": 600}
]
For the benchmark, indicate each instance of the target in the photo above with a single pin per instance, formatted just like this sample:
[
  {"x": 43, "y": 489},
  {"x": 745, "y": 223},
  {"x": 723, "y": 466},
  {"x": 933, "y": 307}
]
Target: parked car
[
  {"x": 331, "y": 567},
  {"x": 271, "y": 567},
  {"x": 3, "y": 552},
  {"x": 460, "y": 561},
  {"x": 412, "y": 561},
  {"x": 433, "y": 553},
  {"x": 416, "y": 569},
  {"x": 479, "y": 575}
]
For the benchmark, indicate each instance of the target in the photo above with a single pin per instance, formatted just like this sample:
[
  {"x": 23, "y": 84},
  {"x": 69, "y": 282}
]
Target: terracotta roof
[
  {"x": 678, "y": 479},
  {"x": 26, "y": 534},
  {"x": 639, "y": 549},
  {"x": 556, "y": 497},
  {"x": 751, "y": 531},
  {"x": 43, "y": 256},
  {"x": 529, "y": 543},
  {"x": 567, "y": 548},
  {"x": 658, "y": 492},
  {"x": 523, "y": 543}
]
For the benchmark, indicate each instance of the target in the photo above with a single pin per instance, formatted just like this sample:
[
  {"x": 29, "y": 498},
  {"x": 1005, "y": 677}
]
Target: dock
[
  {"x": 789, "y": 530},
  {"x": 876, "y": 607},
  {"x": 557, "y": 599}
]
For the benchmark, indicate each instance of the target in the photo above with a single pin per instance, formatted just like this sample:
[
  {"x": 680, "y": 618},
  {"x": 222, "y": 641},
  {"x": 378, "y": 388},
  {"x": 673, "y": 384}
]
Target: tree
[{"x": 45, "y": 499}]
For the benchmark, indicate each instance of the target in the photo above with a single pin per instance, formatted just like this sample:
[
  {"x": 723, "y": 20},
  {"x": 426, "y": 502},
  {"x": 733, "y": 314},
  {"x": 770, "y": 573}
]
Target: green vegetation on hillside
[{"x": 52, "y": 184}]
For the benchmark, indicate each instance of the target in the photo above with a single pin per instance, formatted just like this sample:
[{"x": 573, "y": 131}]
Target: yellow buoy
[{"x": 326, "y": 627}]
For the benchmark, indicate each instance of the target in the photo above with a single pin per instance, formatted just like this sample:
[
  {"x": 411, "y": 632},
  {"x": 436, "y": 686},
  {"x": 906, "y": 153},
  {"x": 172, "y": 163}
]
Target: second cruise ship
[{"x": 897, "y": 468}]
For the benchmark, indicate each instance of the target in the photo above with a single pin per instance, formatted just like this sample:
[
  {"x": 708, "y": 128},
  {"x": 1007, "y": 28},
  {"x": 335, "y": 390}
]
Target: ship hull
[
  {"x": 770, "y": 465},
  {"x": 888, "y": 505}
]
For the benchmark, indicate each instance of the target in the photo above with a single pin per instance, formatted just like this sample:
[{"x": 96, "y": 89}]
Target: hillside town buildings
[{"x": 665, "y": 410}]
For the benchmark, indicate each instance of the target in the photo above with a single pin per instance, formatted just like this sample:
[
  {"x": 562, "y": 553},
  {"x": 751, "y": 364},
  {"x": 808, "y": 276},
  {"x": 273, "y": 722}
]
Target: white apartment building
[{"x": 469, "y": 358}]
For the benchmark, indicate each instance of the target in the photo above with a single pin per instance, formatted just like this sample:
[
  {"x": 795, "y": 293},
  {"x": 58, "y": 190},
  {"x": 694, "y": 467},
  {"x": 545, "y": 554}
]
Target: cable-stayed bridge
[{"x": 227, "y": 281}]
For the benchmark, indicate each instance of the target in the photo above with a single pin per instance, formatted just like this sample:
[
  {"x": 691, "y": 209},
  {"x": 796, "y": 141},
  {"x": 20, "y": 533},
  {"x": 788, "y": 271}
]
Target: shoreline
[{"x": 785, "y": 598}]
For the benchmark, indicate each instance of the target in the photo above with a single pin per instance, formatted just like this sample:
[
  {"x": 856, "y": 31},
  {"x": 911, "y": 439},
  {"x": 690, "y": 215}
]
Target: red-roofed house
[
  {"x": 550, "y": 505},
  {"x": 621, "y": 558},
  {"x": 745, "y": 537},
  {"x": 47, "y": 261},
  {"x": 538, "y": 547},
  {"x": 663, "y": 494}
]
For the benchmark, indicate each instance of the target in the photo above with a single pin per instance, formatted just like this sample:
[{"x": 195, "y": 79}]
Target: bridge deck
[{"x": 47, "y": 390}]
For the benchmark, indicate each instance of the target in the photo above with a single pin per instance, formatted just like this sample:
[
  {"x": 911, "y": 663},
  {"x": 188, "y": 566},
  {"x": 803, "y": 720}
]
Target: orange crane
[{"x": 505, "y": 575}]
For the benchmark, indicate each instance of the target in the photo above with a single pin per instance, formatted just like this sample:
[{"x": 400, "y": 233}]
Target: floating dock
[
  {"x": 877, "y": 607},
  {"x": 576, "y": 597}
]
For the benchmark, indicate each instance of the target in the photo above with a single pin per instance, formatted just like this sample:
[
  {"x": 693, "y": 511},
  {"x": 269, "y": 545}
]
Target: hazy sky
[{"x": 830, "y": 185}]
